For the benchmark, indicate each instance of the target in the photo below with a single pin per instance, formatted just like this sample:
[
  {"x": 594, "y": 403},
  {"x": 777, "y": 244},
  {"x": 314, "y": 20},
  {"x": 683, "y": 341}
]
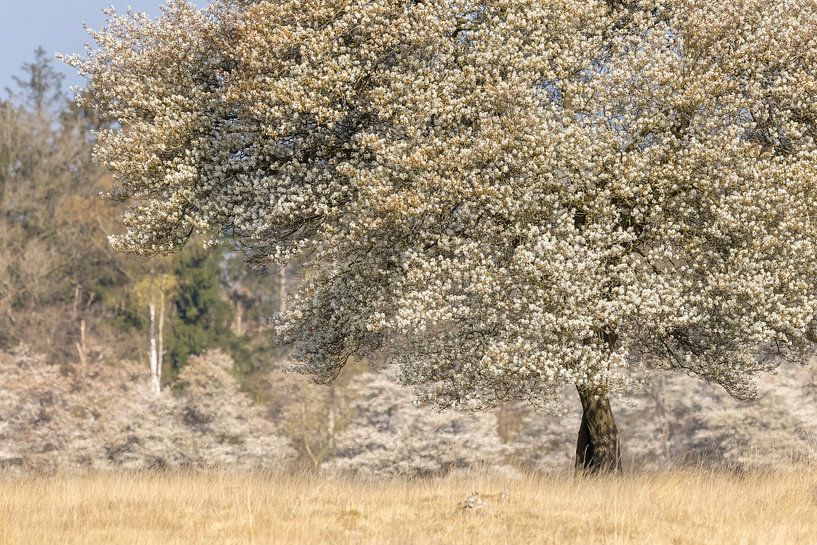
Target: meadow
[{"x": 691, "y": 507}]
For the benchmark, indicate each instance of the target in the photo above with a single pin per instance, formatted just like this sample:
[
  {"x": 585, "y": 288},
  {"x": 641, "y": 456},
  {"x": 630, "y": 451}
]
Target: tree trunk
[
  {"x": 597, "y": 447},
  {"x": 282, "y": 290},
  {"x": 237, "y": 326},
  {"x": 330, "y": 420},
  {"x": 82, "y": 348},
  {"x": 160, "y": 350},
  {"x": 154, "y": 357}
]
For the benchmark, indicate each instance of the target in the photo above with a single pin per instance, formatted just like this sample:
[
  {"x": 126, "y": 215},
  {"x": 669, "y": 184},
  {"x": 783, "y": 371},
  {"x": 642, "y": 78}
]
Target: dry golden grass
[{"x": 674, "y": 508}]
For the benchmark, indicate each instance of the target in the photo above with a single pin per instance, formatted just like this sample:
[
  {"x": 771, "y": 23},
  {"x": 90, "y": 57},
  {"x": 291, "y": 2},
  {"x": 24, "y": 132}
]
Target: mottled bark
[{"x": 597, "y": 447}]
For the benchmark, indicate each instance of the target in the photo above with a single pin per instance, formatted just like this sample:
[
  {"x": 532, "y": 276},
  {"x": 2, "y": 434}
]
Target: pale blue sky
[{"x": 56, "y": 25}]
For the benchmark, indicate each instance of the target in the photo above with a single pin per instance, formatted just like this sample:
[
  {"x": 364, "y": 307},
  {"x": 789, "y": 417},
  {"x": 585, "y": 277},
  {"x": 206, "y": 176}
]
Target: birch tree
[
  {"x": 502, "y": 197},
  {"x": 153, "y": 292}
]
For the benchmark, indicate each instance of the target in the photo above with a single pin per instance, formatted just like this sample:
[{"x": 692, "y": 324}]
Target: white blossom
[{"x": 502, "y": 196}]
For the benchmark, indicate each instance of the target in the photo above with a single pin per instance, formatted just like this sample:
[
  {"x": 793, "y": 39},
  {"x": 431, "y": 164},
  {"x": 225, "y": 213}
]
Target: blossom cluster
[{"x": 502, "y": 196}]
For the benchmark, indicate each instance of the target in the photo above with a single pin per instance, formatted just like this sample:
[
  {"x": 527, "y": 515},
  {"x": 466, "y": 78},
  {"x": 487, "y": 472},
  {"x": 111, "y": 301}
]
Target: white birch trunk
[
  {"x": 330, "y": 424},
  {"x": 282, "y": 290},
  {"x": 154, "y": 357},
  {"x": 160, "y": 352}
]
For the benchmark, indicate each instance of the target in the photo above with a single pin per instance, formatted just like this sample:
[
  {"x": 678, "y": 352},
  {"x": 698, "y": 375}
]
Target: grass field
[{"x": 674, "y": 508}]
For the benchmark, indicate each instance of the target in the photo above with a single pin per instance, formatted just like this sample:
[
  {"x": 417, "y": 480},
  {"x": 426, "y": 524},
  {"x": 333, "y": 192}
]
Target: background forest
[{"x": 81, "y": 325}]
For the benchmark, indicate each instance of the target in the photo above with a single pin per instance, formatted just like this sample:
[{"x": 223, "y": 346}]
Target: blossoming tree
[{"x": 504, "y": 197}]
